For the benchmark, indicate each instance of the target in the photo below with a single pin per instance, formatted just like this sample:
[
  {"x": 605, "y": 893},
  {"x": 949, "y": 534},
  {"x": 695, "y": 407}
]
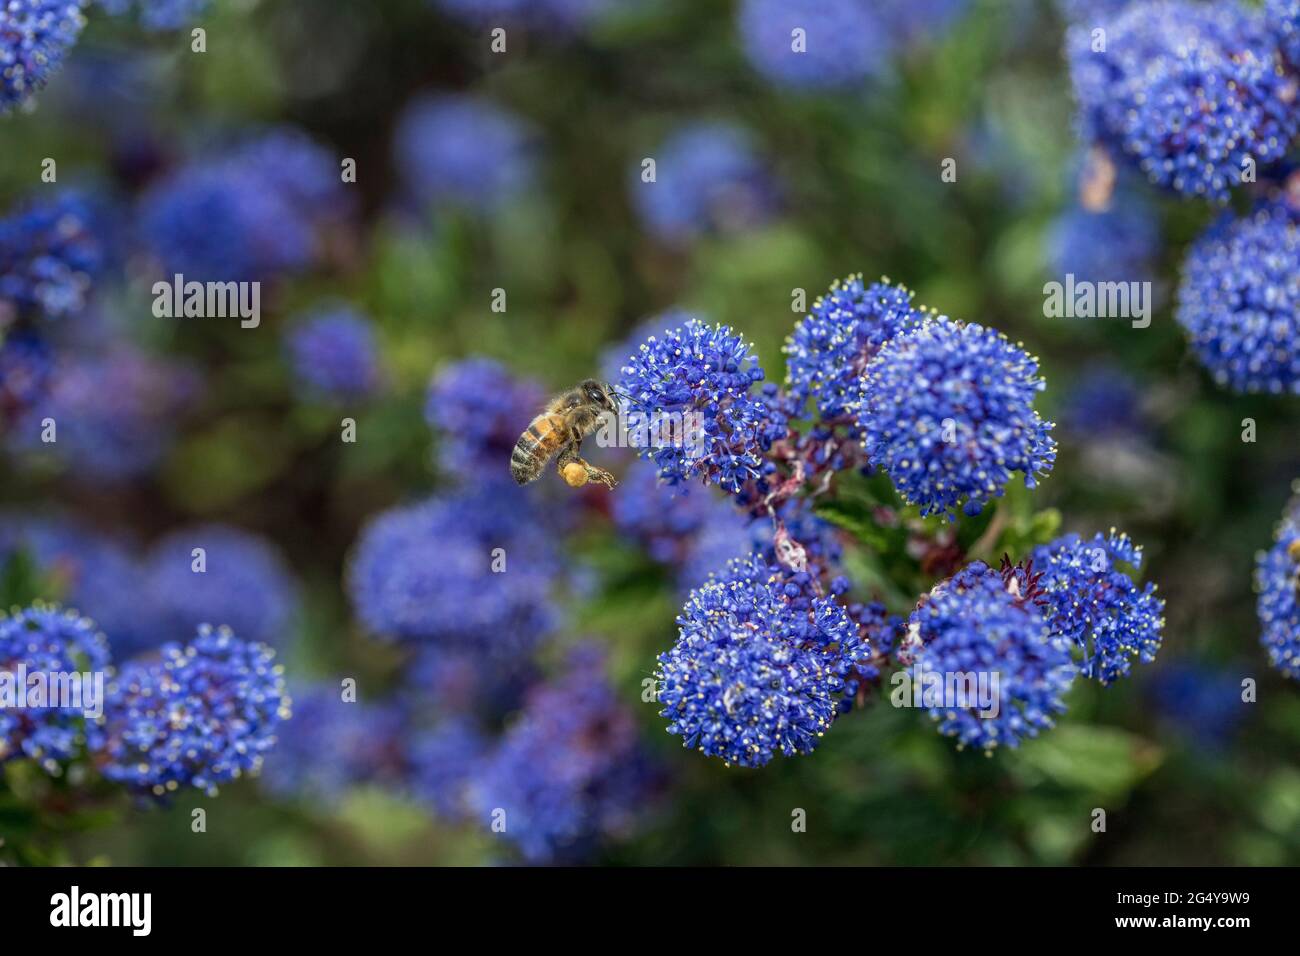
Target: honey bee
[{"x": 560, "y": 429}]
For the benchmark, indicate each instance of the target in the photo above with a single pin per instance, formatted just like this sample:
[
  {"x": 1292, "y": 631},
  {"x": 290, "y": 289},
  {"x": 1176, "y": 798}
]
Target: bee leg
[{"x": 581, "y": 472}]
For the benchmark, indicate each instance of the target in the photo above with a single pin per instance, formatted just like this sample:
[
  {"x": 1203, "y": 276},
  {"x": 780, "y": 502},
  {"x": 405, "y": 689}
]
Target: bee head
[{"x": 599, "y": 394}]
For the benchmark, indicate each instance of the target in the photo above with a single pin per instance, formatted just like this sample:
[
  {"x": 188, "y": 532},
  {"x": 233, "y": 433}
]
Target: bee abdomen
[{"x": 542, "y": 439}]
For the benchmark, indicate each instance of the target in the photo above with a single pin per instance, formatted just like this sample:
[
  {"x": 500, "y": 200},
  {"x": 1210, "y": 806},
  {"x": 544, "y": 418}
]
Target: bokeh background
[{"x": 519, "y": 171}]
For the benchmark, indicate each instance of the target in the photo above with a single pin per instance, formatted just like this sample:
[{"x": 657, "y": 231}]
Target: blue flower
[
  {"x": 569, "y": 772},
  {"x": 1240, "y": 303},
  {"x": 829, "y": 348},
  {"x": 478, "y": 410},
  {"x": 330, "y": 745},
  {"x": 1119, "y": 244},
  {"x": 703, "y": 378},
  {"x": 708, "y": 178},
  {"x": 473, "y": 570},
  {"x": 113, "y": 413},
  {"x": 1277, "y": 581},
  {"x": 91, "y": 571},
  {"x": 842, "y": 41},
  {"x": 1104, "y": 402},
  {"x": 1199, "y": 702},
  {"x": 203, "y": 714},
  {"x": 1282, "y": 20},
  {"x": 50, "y": 252},
  {"x": 1185, "y": 91},
  {"x": 34, "y": 36},
  {"x": 947, "y": 411},
  {"x": 758, "y": 665},
  {"x": 244, "y": 584},
  {"x": 1087, "y": 599},
  {"x": 463, "y": 151},
  {"x": 158, "y": 14},
  {"x": 445, "y": 761},
  {"x": 977, "y": 624},
  {"x": 333, "y": 354},
  {"x": 26, "y": 366},
  {"x": 46, "y": 640}
]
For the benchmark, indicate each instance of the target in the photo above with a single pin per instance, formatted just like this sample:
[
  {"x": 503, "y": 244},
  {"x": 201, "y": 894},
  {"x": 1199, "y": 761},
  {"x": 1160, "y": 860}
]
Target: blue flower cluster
[
  {"x": 1199, "y": 702},
  {"x": 50, "y": 252},
  {"x": 1089, "y": 600},
  {"x": 758, "y": 666},
  {"x": 34, "y": 36},
  {"x": 204, "y": 714},
  {"x": 46, "y": 640},
  {"x": 473, "y": 569},
  {"x": 1277, "y": 580},
  {"x": 946, "y": 410},
  {"x": 444, "y": 763},
  {"x": 26, "y": 365},
  {"x": 708, "y": 179},
  {"x": 479, "y": 410},
  {"x": 1190, "y": 93},
  {"x": 568, "y": 772},
  {"x": 840, "y": 43},
  {"x": 463, "y": 151},
  {"x": 830, "y": 348},
  {"x": 1240, "y": 303},
  {"x": 1118, "y": 244},
  {"x": 333, "y": 354},
  {"x": 707, "y": 376},
  {"x": 981, "y": 624}
]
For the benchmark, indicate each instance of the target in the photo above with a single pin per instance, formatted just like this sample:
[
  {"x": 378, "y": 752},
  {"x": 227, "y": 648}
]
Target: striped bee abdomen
[{"x": 544, "y": 437}]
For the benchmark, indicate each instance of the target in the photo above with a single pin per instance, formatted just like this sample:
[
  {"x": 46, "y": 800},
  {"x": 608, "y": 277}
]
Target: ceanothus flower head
[
  {"x": 1118, "y": 244},
  {"x": 330, "y": 745},
  {"x": 26, "y": 365},
  {"x": 569, "y": 772},
  {"x": 978, "y": 623},
  {"x": 1187, "y": 92},
  {"x": 47, "y": 640},
  {"x": 1277, "y": 581},
  {"x": 1239, "y": 301},
  {"x": 478, "y": 409},
  {"x": 444, "y": 762},
  {"x": 1103, "y": 402},
  {"x": 201, "y": 715},
  {"x": 831, "y": 346},
  {"x": 758, "y": 666},
  {"x": 333, "y": 354},
  {"x": 114, "y": 414},
  {"x": 50, "y": 252},
  {"x": 463, "y": 151},
  {"x": 703, "y": 377},
  {"x": 841, "y": 42},
  {"x": 947, "y": 411},
  {"x": 708, "y": 179},
  {"x": 34, "y": 36},
  {"x": 1282, "y": 20},
  {"x": 220, "y": 575},
  {"x": 471, "y": 570},
  {"x": 1087, "y": 599},
  {"x": 158, "y": 14}
]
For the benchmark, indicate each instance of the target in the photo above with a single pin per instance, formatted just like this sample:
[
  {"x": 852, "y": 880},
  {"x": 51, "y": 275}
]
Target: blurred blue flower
[
  {"x": 26, "y": 366},
  {"x": 46, "y": 640},
  {"x": 1240, "y": 302},
  {"x": 333, "y": 353},
  {"x": 569, "y": 772},
  {"x": 478, "y": 409},
  {"x": 758, "y": 665},
  {"x": 158, "y": 14},
  {"x": 329, "y": 745},
  {"x": 1199, "y": 702},
  {"x": 1089, "y": 600},
  {"x": 1103, "y": 402},
  {"x": 463, "y": 151},
  {"x": 203, "y": 714},
  {"x": 1185, "y": 91},
  {"x": 706, "y": 375},
  {"x": 1277, "y": 581},
  {"x": 445, "y": 761},
  {"x": 472, "y": 570},
  {"x": 113, "y": 414},
  {"x": 244, "y": 584},
  {"x": 93, "y": 572},
  {"x": 831, "y": 346},
  {"x": 1282, "y": 20},
  {"x": 842, "y": 41},
  {"x": 708, "y": 178},
  {"x": 977, "y": 623},
  {"x": 947, "y": 411},
  {"x": 1119, "y": 244},
  {"x": 50, "y": 252},
  {"x": 34, "y": 36}
]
